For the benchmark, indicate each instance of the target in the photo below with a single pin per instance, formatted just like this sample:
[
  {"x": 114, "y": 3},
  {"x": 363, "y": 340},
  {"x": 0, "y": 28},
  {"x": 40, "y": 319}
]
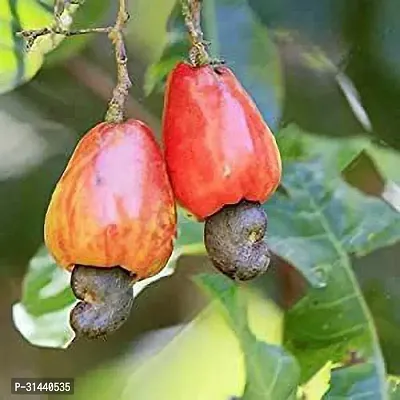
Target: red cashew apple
[
  {"x": 223, "y": 162},
  {"x": 114, "y": 208},
  {"x": 218, "y": 148}
]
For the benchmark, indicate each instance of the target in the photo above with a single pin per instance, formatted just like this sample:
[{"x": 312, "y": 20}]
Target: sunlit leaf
[
  {"x": 42, "y": 316},
  {"x": 270, "y": 371},
  {"x": 318, "y": 385},
  {"x": 394, "y": 387},
  {"x": 204, "y": 360},
  {"x": 18, "y": 66}
]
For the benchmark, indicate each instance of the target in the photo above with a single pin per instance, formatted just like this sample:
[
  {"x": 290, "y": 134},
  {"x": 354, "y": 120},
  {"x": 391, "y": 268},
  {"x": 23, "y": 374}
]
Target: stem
[
  {"x": 31, "y": 35},
  {"x": 116, "y": 106},
  {"x": 191, "y": 10},
  {"x": 196, "y": 12}
]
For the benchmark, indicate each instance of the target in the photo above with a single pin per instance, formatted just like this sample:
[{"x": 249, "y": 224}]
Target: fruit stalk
[
  {"x": 191, "y": 10},
  {"x": 116, "y": 106}
]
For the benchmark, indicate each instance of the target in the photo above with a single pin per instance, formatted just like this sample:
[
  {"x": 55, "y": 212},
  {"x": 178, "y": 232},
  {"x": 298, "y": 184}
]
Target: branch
[
  {"x": 31, "y": 35},
  {"x": 116, "y": 106}
]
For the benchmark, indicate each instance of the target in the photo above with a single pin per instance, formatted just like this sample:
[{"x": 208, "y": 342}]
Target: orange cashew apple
[{"x": 113, "y": 205}]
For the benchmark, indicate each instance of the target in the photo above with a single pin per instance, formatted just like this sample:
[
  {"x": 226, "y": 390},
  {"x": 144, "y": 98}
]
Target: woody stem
[
  {"x": 116, "y": 106},
  {"x": 191, "y": 10}
]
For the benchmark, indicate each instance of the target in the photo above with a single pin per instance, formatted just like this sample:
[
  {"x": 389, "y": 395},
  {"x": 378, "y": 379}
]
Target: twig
[
  {"x": 31, "y": 35},
  {"x": 56, "y": 28},
  {"x": 196, "y": 12},
  {"x": 116, "y": 106},
  {"x": 191, "y": 10}
]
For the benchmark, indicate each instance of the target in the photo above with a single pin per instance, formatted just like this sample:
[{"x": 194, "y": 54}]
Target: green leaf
[
  {"x": 357, "y": 380},
  {"x": 42, "y": 315},
  {"x": 238, "y": 38},
  {"x": 46, "y": 287},
  {"x": 380, "y": 287},
  {"x": 315, "y": 225},
  {"x": 321, "y": 217},
  {"x": 330, "y": 215},
  {"x": 190, "y": 232},
  {"x": 295, "y": 144},
  {"x": 271, "y": 373},
  {"x": 318, "y": 385},
  {"x": 19, "y": 66},
  {"x": 369, "y": 167},
  {"x": 353, "y": 382}
]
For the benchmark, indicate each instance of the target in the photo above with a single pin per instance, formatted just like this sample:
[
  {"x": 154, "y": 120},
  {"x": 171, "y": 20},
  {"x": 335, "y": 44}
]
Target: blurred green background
[{"x": 318, "y": 68}]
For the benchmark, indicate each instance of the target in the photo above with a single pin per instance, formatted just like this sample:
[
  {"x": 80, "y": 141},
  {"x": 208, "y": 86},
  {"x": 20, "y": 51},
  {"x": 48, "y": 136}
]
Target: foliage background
[{"x": 324, "y": 73}]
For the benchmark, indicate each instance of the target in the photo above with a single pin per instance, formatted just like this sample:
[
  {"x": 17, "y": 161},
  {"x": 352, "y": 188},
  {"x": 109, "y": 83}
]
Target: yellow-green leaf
[
  {"x": 18, "y": 66},
  {"x": 203, "y": 361}
]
